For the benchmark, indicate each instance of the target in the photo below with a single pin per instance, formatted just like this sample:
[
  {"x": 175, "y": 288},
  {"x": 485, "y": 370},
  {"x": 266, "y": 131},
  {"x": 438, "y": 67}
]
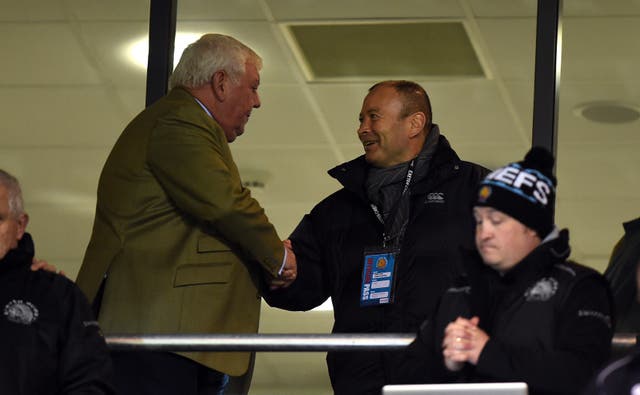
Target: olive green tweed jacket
[{"x": 181, "y": 241}]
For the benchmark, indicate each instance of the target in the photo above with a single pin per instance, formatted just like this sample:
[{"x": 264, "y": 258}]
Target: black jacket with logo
[
  {"x": 548, "y": 319},
  {"x": 49, "y": 342},
  {"x": 329, "y": 244}
]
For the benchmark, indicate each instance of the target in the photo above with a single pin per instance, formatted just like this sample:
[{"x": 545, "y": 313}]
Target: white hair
[
  {"x": 16, "y": 205},
  {"x": 210, "y": 54}
]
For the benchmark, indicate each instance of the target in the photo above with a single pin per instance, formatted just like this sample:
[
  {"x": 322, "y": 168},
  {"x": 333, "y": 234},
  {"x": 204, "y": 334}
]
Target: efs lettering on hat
[
  {"x": 523, "y": 190},
  {"x": 529, "y": 183}
]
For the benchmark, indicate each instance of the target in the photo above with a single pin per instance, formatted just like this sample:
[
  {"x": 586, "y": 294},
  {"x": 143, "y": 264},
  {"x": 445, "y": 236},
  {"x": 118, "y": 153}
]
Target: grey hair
[
  {"x": 210, "y": 54},
  {"x": 16, "y": 205}
]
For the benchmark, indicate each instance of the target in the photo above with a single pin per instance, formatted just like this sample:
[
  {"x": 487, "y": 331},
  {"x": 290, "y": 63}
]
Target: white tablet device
[{"x": 457, "y": 389}]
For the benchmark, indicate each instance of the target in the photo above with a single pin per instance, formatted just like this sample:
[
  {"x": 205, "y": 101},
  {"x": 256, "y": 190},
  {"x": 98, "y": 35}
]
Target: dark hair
[{"x": 414, "y": 97}]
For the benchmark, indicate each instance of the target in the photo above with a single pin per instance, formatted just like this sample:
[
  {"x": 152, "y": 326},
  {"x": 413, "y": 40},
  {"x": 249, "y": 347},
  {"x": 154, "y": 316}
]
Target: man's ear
[
  {"x": 417, "y": 121},
  {"x": 23, "y": 220},
  {"x": 532, "y": 233},
  {"x": 219, "y": 82}
]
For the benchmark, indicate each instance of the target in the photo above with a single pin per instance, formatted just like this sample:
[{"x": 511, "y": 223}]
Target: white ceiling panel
[
  {"x": 488, "y": 122},
  {"x": 289, "y": 175},
  {"x": 55, "y": 175},
  {"x": 502, "y": 8},
  {"x": 53, "y": 57},
  {"x": 340, "y": 104},
  {"x": 286, "y": 216},
  {"x": 241, "y": 10},
  {"x": 67, "y": 117},
  {"x": 510, "y": 45},
  {"x": 490, "y": 155},
  {"x": 519, "y": 102},
  {"x": 592, "y": 170},
  {"x": 109, "y": 44},
  {"x": 112, "y": 10},
  {"x": 31, "y": 10},
  {"x": 284, "y": 119},
  {"x": 574, "y": 128},
  {"x": 61, "y": 233},
  {"x": 356, "y": 9},
  {"x": 529, "y": 8},
  {"x": 601, "y": 49},
  {"x": 133, "y": 101},
  {"x": 601, "y": 8}
]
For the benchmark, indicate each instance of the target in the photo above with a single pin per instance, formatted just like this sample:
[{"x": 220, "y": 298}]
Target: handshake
[{"x": 289, "y": 271}]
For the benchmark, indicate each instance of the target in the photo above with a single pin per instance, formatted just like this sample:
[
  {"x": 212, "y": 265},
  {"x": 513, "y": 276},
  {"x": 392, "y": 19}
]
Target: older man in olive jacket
[{"x": 182, "y": 244}]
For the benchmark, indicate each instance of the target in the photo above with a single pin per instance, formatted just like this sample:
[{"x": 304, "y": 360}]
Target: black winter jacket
[
  {"x": 49, "y": 342},
  {"x": 548, "y": 319},
  {"x": 329, "y": 245},
  {"x": 621, "y": 376}
]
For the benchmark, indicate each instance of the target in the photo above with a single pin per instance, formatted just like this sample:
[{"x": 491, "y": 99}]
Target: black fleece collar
[
  {"x": 21, "y": 255},
  {"x": 445, "y": 162}
]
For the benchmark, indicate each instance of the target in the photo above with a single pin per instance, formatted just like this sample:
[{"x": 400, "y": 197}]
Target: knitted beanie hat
[{"x": 523, "y": 190}]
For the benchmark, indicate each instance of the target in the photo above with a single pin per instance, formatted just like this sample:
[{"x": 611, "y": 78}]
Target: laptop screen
[{"x": 457, "y": 389}]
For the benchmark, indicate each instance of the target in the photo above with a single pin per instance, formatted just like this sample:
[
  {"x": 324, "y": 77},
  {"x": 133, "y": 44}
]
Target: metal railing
[{"x": 287, "y": 342}]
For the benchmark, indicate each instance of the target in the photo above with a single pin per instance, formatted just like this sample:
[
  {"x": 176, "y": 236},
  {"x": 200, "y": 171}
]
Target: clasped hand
[
  {"x": 463, "y": 342},
  {"x": 289, "y": 271}
]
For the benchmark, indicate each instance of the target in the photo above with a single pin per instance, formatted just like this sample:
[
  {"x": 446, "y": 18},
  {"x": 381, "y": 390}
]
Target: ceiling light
[
  {"x": 608, "y": 112},
  {"x": 138, "y": 50}
]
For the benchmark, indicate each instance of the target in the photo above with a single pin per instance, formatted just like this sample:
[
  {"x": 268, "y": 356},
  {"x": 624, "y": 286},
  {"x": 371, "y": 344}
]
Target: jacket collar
[
  {"x": 21, "y": 255},
  {"x": 554, "y": 249},
  {"x": 444, "y": 163}
]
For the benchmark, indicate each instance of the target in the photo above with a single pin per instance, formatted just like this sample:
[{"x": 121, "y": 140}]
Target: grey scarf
[{"x": 384, "y": 188}]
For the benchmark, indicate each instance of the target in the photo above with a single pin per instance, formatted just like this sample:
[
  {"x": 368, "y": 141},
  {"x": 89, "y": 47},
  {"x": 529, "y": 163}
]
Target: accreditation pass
[{"x": 377, "y": 278}]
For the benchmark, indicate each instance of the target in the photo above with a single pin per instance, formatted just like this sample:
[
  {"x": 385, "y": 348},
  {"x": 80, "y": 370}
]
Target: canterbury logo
[{"x": 435, "y": 197}]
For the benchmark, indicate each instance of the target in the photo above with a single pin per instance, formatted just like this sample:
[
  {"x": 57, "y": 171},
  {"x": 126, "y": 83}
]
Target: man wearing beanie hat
[{"x": 526, "y": 314}]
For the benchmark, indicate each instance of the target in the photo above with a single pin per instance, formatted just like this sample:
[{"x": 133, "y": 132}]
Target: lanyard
[{"x": 376, "y": 211}]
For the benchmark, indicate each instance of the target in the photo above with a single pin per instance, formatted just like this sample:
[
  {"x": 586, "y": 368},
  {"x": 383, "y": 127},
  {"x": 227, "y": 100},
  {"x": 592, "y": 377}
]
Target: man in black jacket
[
  {"x": 385, "y": 246},
  {"x": 49, "y": 342},
  {"x": 526, "y": 314}
]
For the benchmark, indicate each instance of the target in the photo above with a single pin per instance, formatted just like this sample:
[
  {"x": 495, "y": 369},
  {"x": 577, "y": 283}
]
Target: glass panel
[
  {"x": 598, "y": 137},
  {"x": 306, "y": 126},
  {"x": 67, "y": 89}
]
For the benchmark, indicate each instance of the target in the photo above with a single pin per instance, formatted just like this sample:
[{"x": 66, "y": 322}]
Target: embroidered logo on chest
[
  {"x": 542, "y": 291},
  {"x": 21, "y": 312},
  {"x": 435, "y": 197}
]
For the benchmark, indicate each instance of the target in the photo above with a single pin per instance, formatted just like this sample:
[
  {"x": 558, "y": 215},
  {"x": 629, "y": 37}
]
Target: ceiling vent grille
[{"x": 374, "y": 51}]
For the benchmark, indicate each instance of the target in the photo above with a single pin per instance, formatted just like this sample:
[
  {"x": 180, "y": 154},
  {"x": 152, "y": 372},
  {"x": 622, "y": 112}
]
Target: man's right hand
[{"x": 290, "y": 270}]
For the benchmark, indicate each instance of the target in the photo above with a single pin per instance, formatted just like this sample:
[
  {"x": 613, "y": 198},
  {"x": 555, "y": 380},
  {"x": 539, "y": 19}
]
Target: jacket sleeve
[
  {"x": 84, "y": 362},
  {"x": 310, "y": 289},
  {"x": 196, "y": 170},
  {"x": 582, "y": 342}
]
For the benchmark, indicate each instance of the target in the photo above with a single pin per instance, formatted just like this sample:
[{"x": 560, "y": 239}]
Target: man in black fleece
[
  {"x": 49, "y": 341},
  {"x": 386, "y": 245},
  {"x": 523, "y": 312}
]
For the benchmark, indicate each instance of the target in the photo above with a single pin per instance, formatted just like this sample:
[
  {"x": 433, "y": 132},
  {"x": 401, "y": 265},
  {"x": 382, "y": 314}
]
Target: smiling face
[
  {"x": 502, "y": 241},
  {"x": 241, "y": 97},
  {"x": 384, "y": 132}
]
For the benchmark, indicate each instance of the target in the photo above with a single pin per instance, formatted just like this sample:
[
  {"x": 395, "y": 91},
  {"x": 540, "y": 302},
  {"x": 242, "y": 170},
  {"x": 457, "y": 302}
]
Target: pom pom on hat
[{"x": 541, "y": 159}]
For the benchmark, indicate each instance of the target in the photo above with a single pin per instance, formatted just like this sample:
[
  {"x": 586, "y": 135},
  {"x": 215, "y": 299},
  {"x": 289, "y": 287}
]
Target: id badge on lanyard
[
  {"x": 379, "y": 268},
  {"x": 378, "y": 277}
]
